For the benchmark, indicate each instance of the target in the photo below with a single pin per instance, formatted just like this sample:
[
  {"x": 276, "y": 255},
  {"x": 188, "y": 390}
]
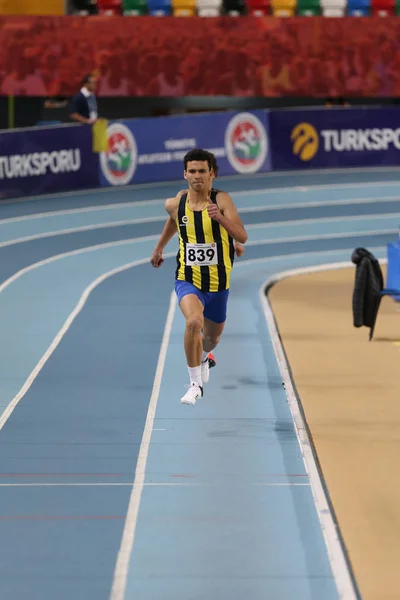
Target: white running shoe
[
  {"x": 205, "y": 371},
  {"x": 194, "y": 392}
]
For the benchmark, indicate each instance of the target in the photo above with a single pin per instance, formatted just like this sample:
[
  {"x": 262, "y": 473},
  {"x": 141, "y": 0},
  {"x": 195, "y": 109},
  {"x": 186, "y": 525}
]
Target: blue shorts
[{"x": 214, "y": 303}]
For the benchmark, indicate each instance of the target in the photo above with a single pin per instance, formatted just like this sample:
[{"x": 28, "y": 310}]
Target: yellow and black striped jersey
[{"x": 206, "y": 251}]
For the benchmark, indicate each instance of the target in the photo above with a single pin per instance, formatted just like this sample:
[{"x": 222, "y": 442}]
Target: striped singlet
[{"x": 206, "y": 252}]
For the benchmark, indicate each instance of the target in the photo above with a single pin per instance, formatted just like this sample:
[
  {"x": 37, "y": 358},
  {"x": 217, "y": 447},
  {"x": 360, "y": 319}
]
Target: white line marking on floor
[
  {"x": 63, "y": 255},
  {"x": 151, "y": 484},
  {"x": 233, "y": 178},
  {"x": 56, "y": 232},
  {"x": 340, "y": 567},
  {"x": 350, "y": 201},
  {"x": 128, "y": 536},
  {"x": 327, "y": 236},
  {"x": 71, "y": 230},
  {"x": 267, "y": 259},
  {"x": 261, "y": 191},
  {"x": 14, "y": 402},
  {"x": 339, "y": 219},
  {"x": 83, "y": 209}
]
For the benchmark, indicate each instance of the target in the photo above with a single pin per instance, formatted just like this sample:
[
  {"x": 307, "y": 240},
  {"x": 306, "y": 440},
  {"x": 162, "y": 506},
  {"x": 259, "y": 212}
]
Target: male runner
[{"x": 207, "y": 223}]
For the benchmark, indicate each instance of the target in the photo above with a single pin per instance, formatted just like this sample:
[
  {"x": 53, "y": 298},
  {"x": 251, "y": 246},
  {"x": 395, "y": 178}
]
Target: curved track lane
[{"x": 226, "y": 507}]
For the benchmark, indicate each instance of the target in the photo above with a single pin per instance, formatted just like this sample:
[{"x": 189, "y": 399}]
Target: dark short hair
[
  {"x": 214, "y": 164},
  {"x": 199, "y": 154},
  {"x": 85, "y": 80}
]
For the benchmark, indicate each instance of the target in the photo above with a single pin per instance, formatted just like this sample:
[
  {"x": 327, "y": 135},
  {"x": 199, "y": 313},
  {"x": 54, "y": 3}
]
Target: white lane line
[
  {"x": 309, "y": 188},
  {"x": 92, "y": 191},
  {"x": 84, "y": 209},
  {"x": 14, "y": 402},
  {"x": 128, "y": 536},
  {"x": 336, "y": 553},
  {"x": 343, "y": 219},
  {"x": 161, "y": 219},
  {"x": 9, "y": 409},
  {"x": 113, "y": 244},
  {"x": 151, "y": 484},
  {"x": 233, "y": 178},
  {"x": 341, "y": 170},
  {"x": 132, "y": 241},
  {"x": 63, "y": 255},
  {"x": 266, "y": 259},
  {"x": 344, "y": 202},
  {"x": 47, "y": 234},
  {"x": 67, "y": 324},
  {"x": 327, "y": 236},
  {"x": 257, "y": 192}
]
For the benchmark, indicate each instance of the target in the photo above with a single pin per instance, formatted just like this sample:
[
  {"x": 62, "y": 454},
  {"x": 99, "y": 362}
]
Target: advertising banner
[
  {"x": 348, "y": 137},
  {"x": 45, "y": 160},
  {"x": 151, "y": 150}
]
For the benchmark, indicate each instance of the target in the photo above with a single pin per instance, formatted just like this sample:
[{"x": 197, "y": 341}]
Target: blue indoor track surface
[{"x": 110, "y": 488}]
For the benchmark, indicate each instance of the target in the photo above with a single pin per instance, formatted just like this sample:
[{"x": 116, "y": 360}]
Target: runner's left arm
[{"x": 227, "y": 215}]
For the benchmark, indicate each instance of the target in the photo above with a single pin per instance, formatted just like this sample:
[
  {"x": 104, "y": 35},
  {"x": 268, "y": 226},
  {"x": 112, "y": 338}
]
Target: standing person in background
[
  {"x": 83, "y": 107},
  {"x": 207, "y": 223}
]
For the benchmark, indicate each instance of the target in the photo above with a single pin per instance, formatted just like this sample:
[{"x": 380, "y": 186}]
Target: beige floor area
[{"x": 350, "y": 392}]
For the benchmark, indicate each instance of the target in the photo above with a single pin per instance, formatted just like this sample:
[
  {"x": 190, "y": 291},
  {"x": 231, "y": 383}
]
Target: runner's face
[{"x": 198, "y": 175}]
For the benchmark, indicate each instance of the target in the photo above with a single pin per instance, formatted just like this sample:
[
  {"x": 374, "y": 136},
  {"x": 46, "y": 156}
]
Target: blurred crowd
[{"x": 223, "y": 56}]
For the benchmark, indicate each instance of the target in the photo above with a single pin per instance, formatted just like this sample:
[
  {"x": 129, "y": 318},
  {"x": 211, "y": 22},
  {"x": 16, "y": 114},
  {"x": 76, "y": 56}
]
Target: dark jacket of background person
[
  {"x": 83, "y": 108},
  {"x": 367, "y": 288}
]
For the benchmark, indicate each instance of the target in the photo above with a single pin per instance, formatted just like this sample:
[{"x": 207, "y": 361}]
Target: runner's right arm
[
  {"x": 239, "y": 249},
  {"x": 167, "y": 233}
]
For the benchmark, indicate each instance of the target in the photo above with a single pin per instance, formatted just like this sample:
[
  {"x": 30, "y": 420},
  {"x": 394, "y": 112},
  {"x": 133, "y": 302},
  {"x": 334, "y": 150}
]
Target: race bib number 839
[{"x": 201, "y": 255}]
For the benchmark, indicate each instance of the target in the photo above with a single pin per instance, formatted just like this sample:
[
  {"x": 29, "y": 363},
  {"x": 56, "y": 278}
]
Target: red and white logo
[
  {"x": 119, "y": 162},
  {"x": 246, "y": 143}
]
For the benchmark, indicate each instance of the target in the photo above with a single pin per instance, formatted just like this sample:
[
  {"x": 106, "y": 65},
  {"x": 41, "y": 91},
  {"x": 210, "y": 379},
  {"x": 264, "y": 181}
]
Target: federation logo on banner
[
  {"x": 119, "y": 162},
  {"x": 246, "y": 143},
  {"x": 305, "y": 141}
]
